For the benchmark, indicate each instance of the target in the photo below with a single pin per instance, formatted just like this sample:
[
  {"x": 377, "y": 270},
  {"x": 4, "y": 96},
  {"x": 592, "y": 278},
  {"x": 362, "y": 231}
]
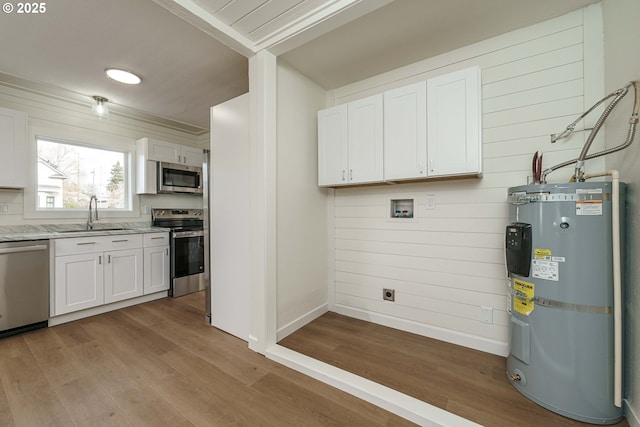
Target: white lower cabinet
[
  {"x": 156, "y": 263},
  {"x": 93, "y": 271},
  {"x": 79, "y": 282},
  {"x": 122, "y": 275}
]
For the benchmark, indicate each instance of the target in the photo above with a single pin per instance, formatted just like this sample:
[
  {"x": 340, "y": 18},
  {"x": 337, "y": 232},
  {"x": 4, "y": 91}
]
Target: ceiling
[{"x": 191, "y": 54}]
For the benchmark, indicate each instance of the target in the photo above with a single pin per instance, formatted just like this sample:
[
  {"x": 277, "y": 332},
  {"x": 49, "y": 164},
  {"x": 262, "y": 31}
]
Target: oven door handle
[{"x": 179, "y": 234}]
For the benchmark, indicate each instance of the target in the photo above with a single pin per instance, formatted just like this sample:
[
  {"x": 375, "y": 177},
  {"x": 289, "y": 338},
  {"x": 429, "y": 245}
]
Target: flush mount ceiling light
[
  {"x": 100, "y": 108},
  {"x": 122, "y": 76}
]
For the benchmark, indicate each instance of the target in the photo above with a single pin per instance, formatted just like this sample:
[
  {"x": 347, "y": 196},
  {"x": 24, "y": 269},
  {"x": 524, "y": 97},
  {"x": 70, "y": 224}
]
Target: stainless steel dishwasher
[{"x": 24, "y": 286}]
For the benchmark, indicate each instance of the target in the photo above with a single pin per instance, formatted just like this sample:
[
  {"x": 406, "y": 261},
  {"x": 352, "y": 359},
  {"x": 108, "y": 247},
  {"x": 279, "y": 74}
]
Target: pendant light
[{"x": 100, "y": 108}]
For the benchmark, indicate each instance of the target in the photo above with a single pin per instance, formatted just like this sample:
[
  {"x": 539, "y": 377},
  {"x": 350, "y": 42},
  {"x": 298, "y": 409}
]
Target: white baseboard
[
  {"x": 391, "y": 400},
  {"x": 298, "y": 323},
  {"x": 632, "y": 417},
  {"x": 466, "y": 340},
  {"x": 76, "y": 315}
]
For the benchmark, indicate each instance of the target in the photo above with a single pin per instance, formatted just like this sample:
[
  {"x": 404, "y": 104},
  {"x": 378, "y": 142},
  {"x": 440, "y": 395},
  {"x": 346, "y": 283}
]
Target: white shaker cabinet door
[
  {"x": 405, "y": 132},
  {"x": 191, "y": 156},
  {"x": 78, "y": 282},
  {"x": 123, "y": 275},
  {"x": 453, "y": 123},
  {"x": 365, "y": 125},
  {"x": 156, "y": 269},
  {"x": 333, "y": 154},
  {"x": 13, "y": 146}
]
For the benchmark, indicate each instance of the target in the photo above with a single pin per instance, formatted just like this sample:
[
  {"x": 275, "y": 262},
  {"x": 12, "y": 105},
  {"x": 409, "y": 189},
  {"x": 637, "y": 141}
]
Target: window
[{"x": 70, "y": 173}]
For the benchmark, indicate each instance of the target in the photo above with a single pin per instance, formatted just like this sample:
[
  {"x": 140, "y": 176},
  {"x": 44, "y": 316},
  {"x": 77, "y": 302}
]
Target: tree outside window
[{"x": 71, "y": 173}]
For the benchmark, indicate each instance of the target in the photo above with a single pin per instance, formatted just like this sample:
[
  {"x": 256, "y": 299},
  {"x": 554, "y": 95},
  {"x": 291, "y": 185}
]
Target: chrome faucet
[{"x": 93, "y": 214}]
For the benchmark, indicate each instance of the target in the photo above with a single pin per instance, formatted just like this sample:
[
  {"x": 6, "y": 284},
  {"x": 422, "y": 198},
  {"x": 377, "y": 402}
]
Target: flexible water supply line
[{"x": 633, "y": 120}]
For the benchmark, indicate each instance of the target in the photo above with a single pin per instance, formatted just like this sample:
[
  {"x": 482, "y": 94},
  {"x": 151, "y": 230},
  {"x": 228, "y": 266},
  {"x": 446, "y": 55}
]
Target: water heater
[{"x": 559, "y": 258}]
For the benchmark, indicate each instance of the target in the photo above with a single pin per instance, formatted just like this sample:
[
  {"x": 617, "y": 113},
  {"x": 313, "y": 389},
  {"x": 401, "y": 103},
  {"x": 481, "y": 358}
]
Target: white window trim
[{"x": 90, "y": 138}]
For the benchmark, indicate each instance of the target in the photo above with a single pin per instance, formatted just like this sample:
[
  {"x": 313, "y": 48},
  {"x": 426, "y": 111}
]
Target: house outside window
[{"x": 69, "y": 173}]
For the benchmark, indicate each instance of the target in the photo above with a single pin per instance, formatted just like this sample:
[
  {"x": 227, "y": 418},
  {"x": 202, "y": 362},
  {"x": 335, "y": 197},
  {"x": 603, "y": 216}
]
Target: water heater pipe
[
  {"x": 617, "y": 289},
  {"x": 617, "y": 283}
]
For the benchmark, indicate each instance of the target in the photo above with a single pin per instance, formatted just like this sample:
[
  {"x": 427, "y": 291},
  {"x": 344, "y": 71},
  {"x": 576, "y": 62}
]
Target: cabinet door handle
[
  {"x": 343, "y": 172},
  {"x": 99, "y": 259},
  {"x": 431, "y": 164},
  {"x": 179, "y": 158},
  {"x": 154, "y": 238},
  {"x": 167, "y": 251},
  {"x": 420, "y": 168},
  {"x": 85, "y": 243},
  {"x": 108, "y": 259},
  {"x": 350, "y": 174},
  {"x": 119, "y": 241}
]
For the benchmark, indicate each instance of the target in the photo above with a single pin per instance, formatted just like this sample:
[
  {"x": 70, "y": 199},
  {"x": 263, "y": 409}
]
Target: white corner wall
[
  {"x": 450, "y": 262},
  {"x": 622, "y": 64},
  {"x": 301, "y": 205}
]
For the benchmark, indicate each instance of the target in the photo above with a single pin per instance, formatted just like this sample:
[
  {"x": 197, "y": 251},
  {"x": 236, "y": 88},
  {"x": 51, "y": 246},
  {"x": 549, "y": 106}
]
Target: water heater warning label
[
  {"x": 523, "y": 298},
  {"x": 543, "y": 269},
  {"x": 591, "y": 207}
]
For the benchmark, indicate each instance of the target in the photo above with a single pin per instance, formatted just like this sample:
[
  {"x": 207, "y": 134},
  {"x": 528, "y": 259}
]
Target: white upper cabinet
[
  {"x": 13, "y": 146},
  {"x": 365, "y": 140},
  {"x": 191, "y": 156},
  {"x": 333, "y": 154},
  {"x": 453, "y": 123},
  {"x": 350, "y": 143},
  {"x": 163, "y": 151},
  {"x": 427, "y": 129},
  {"x": 405, "y": 132}
]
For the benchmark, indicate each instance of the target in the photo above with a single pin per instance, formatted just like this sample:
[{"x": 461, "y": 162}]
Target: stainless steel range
[{"x": 187, "y": 248}]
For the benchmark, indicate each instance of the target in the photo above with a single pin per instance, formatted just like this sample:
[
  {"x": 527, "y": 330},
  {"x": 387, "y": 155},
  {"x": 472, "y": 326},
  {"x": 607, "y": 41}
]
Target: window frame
[{"x": 82, "y": 138}]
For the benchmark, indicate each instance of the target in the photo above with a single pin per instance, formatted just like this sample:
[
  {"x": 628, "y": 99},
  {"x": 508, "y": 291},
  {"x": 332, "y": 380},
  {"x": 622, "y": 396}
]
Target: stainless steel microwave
[{"x": 177, "y": 178}]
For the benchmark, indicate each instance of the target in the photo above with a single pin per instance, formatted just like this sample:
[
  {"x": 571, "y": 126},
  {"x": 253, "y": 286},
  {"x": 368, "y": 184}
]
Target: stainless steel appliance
[
  {"x": 187, "y": 248},
  {"x": 177, "y": 178},
  {"x": 24, "y": 286}
]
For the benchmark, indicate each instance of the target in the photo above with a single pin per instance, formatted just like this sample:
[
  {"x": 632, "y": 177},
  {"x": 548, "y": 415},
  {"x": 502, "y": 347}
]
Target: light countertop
[{"x": 15, "y": 233}]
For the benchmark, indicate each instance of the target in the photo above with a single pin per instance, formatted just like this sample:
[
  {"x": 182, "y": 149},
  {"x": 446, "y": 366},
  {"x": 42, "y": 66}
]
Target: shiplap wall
[{"x": 449, "y": 262}]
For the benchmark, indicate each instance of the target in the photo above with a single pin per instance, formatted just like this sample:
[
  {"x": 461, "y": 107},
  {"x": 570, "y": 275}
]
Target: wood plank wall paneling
[{"x": 448, "y": 262}]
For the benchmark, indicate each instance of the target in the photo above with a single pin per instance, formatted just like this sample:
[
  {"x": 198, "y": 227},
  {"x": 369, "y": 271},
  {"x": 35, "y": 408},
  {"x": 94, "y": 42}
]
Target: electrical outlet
[
  {"x": 4, "y": 209},
  {"x": 389, "y": 294},
  {"x": 431, "y": 201},
  {"x": 486, "y": 315}
]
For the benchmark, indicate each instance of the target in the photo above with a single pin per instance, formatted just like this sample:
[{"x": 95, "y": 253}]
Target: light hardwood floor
[
  {"x": 466, "y": 382},
  {"x": 160, "y": 364}
]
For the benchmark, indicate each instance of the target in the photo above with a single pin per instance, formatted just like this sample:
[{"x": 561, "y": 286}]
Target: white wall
[
  {"x": 621, "y": 36},
  {"x": 450, "y": 262},
  {"x": 65, "y": 119},
  {"x": 301, "y": 205}
]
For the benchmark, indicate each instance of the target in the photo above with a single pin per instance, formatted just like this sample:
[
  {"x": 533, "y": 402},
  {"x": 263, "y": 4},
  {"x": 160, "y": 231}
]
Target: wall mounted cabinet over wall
[
  {"x": 13, "y": 146},
  {"x": 350, "y": 143},
  {"x": 162, "y": 151},
  {"x": 425, "y": 130},
  {"x": 150, "y": 151}
]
